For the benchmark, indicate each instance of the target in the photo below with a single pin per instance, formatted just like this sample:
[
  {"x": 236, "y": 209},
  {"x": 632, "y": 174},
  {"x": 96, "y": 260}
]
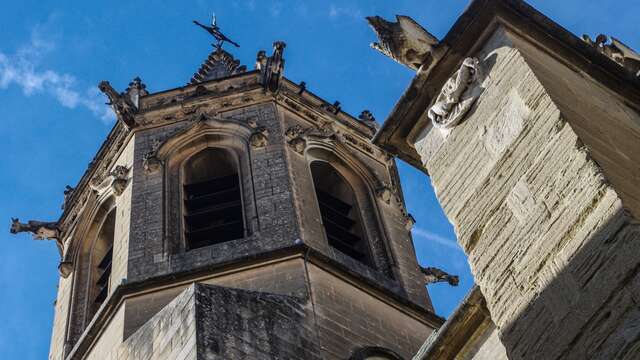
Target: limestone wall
[
  {"x": 349, "y": 318},
  {"x": 549, "y": 231},
  {"x": 60, "y": 317},
  {"x": 170, "y": 334}
]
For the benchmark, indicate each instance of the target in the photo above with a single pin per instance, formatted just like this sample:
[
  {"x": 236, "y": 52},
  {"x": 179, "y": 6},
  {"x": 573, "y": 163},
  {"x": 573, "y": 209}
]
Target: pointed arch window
[
  {"x": 101, "y": 260},
  {"x": 212, "y": 199},
  {"x": 340, "y": 212}
]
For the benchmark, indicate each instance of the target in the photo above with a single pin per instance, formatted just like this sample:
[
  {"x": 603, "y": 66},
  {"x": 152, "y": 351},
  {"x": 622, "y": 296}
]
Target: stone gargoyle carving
[
  {"x": 117, "y": 180},
  {"x": 434, "y": 275},
  {"x": 617, "y": 51},
  {"x": 41, "y": 230},
  {"x": 125, "y": 105},
  {"x": 271, "y": 67},
  {"x": 404, "y": 41},
  {"x": 457, "y": 96}
]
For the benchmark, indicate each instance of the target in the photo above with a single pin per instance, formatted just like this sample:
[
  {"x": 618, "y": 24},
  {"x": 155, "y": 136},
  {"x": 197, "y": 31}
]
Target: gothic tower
[{"x": 237, "y": 217}]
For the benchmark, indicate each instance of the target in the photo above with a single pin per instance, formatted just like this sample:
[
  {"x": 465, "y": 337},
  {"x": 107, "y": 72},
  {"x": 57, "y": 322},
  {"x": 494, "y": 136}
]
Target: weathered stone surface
[
  {"x": 283, "y": 232},
  {"x": 549, "y": 228}
]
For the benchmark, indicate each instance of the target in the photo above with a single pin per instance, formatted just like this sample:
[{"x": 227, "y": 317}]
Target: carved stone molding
[
  {"x": 457, "y": 96},
  {"x": 334, "y": 108}
]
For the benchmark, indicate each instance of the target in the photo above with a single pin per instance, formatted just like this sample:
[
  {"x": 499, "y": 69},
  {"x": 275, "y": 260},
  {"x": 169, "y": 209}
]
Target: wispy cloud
[
  {"x": 435, "y": 238},
  {"x": 336, "y": 12},
  {"x": 22, "y": 69},
  {"x": 275, "y": 9}
]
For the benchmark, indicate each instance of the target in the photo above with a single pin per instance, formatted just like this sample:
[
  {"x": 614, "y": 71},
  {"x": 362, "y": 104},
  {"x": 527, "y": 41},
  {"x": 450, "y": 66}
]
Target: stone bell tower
[{"x": 237, "y": 217}]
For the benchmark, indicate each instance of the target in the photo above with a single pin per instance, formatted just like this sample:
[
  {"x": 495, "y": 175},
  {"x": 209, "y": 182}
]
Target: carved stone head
[{"x": 16, "y": 226}]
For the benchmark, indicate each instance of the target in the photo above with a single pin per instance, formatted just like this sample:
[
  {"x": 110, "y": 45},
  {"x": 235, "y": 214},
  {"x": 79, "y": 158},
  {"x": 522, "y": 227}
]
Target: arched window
[
  {"x": 340, "y": 213},
  {"x": 101, "y": 256},
  {"x": 212, "y": 199}
]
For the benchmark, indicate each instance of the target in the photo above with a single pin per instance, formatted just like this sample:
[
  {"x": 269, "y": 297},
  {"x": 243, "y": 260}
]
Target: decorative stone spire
[{"x": 218, "y": 65}]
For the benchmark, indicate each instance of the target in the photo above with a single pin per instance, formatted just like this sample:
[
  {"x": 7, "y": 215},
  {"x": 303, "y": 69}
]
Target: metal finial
[{"x": 214, "y": 30}]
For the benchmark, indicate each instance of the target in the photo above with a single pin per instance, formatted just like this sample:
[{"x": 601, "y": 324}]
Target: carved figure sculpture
[
  {"x": 616, "y": 51},
  {"x": 119, "y": 176},
  {"x": 367, "y": 118},
  {"x": 295, "y": 139},
  {"x": 434, "y": 275},
  {"x": 41, "y": 230},
  {"x": 457, "y": 96},
  {"x": 260, "y": 138},
  {"x": 384, "y": 192},
  {"x": 123, "y": 107},
  {"x": 272, "y": 67},
  {"x": 404, "y": 41},
  {"x": 117, "y": 180}
]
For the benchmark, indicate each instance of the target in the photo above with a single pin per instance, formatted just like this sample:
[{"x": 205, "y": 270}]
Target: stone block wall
[
  {"x": 551, "y": 230},
  {"x": 152, "y": 239},
  {"x": 212, "y": 322},
  {"x": 348, "y": 319}
]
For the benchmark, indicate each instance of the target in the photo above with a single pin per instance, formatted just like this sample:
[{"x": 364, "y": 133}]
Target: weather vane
[{"x": 214, "y": 30}]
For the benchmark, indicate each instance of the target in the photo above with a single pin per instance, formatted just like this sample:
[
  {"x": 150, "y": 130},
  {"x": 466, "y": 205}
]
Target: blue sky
[{"x": 53, "y": 54}]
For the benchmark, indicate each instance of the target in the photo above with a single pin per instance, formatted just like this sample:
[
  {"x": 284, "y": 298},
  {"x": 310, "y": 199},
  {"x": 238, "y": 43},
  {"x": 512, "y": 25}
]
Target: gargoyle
[
  {"x": 434, "y": 275},
  {"x": 367, "y": 118},
  {"x": 41, "y": 230},
  {"x": 404, "y": 41},
  {"x": 120, "y": 103},
  {"x": 616, "y": 51},
  {"x": 455, "y": 98},
  {"x": 272, "y": 67}
]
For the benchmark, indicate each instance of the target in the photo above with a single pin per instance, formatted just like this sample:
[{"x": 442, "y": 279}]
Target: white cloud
[
  {"x": 21, "y": 69},
  {"x": 276, "y": 9},
  {"x": 435, "y": 238},
  {"x": 336, "y": 12}
]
